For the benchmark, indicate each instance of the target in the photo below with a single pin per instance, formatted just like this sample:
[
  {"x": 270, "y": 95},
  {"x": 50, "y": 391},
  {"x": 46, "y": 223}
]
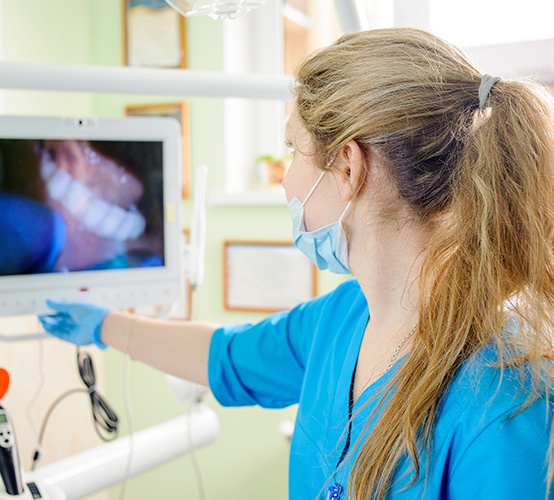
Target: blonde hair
[{"x": 484, "y": 177}]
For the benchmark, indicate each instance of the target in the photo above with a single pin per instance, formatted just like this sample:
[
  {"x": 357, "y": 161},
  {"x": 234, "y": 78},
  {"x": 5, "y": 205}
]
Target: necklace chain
[{"x": 399, "y": 347}]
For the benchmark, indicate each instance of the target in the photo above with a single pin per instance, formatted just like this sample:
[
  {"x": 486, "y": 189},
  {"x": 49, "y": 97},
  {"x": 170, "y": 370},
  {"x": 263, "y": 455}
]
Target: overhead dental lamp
[{"x": 216, "y": 9}]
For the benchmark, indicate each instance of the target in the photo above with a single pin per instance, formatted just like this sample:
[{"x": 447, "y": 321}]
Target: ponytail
[
  {"x": 498, "y": 249},
  {"x": 494, "y": 257}
]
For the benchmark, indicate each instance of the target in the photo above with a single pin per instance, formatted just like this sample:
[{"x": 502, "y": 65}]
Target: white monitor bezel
[{"x": 26, "y": 294}]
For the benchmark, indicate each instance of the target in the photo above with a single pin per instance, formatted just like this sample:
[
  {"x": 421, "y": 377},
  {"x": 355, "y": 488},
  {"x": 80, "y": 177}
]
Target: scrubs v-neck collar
[{"x": 348, "y": 407}]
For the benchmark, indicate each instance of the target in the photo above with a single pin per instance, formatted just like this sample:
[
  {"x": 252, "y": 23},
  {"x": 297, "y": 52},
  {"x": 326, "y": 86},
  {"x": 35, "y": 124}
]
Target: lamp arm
[{"x": 93, "y": 470}]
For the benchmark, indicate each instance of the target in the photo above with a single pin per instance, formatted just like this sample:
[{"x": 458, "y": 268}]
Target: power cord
[
  {"x": 104, "y": 417},
  {"x": 37, "y": 454},
  {"x": 196, "y": 402}
]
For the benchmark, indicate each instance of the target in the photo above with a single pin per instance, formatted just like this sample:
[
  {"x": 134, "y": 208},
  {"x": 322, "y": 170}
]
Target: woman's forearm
[{"x": 174, "y": 346}]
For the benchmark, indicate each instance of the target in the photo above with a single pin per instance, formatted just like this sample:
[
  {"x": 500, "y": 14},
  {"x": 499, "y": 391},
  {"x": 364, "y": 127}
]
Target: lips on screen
[{"x": 73, "y": 205}]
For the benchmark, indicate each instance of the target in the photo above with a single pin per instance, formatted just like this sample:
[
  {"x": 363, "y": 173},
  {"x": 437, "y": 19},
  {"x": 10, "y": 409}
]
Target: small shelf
[{"x": 274, "y": 197}]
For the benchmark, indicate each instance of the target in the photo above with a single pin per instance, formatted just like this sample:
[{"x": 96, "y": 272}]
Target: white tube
[
  {"x": 352, "y": 15},
  {"x": 198, "y": 228},
  {"x": 96, "y": 469},
  {"x": 25, "y": 336},
  {"x": 134, "y": 80}
]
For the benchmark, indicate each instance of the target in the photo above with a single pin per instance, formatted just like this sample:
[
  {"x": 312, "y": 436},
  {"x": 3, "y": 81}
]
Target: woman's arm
[
  {"x": 173, "y": 346},
  {"x": 176, "y": 347}
]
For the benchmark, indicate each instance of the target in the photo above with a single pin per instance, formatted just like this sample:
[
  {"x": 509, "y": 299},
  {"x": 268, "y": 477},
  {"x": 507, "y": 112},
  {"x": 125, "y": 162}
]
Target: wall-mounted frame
[
  {"x": 179, "y": 111},
  {"x": 266, "y": 276},
  {"x": 154, "y": 35}
]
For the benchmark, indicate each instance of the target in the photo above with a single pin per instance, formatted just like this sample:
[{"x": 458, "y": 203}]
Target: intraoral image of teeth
[
  {"x": 58, "y": 184},
  {"x": 102, "y": 217}
]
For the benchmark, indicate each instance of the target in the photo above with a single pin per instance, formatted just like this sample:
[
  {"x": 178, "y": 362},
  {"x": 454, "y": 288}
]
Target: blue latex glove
[{"x": 75, "y": 322}]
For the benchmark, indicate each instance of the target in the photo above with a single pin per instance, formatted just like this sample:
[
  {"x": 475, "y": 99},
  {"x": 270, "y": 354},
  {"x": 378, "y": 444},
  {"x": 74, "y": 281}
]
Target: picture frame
[
  {"x": 179, "y": 111},
  {"x": 154, "y": 35},
  {"x": 266, "y": 276}
]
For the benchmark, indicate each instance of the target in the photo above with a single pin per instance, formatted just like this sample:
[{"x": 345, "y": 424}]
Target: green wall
[
  {"x": 56, "y": 31},
  {"x": 249, "y": 459}
]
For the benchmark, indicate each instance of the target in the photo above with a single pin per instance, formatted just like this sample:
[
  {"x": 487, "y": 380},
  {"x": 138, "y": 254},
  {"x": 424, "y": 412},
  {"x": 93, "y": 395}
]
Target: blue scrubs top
[{"x": 308, "y": 356}]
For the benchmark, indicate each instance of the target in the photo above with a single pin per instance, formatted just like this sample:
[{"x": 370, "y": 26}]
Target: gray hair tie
[{"x": 487, "y": 83}]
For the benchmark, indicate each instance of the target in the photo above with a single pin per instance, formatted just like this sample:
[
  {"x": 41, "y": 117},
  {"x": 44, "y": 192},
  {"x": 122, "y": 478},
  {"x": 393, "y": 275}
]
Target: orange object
[{"x": 4, "y": 382}]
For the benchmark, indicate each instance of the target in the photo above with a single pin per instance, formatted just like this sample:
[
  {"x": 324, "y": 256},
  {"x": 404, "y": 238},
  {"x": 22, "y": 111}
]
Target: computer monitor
[{"x": 89, "y": 211}]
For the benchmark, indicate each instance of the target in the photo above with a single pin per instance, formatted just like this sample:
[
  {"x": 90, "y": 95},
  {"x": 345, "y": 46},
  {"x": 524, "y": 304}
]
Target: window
[
  {"x": 470, "y": 23},
  {"x": 307, "y": 25},
  {"x": 271, "y": 40}
]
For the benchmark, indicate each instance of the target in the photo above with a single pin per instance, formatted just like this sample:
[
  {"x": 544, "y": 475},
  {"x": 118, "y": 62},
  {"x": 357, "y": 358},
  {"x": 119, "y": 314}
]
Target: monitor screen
[{"x": 88, "y": 211}]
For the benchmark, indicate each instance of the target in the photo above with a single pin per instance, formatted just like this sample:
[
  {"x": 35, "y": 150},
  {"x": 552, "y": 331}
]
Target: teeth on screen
[
  {"x": 77, "y": 199},
  {"x": 113, "y": 219},
  {"x": 98, "y": 216},
  {"x": 95, "y": 214},
  {"x": 59, "y": 184}
]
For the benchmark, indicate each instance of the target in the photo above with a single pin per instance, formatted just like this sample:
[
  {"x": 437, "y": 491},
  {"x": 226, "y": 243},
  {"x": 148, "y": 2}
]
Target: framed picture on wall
[
  {"x": 179, "y": 111},
  {"x": 154, "y": 35},
  {"x": 266, "y": 276}
]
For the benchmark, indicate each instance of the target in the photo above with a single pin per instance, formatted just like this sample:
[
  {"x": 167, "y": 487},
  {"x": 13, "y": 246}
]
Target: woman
[{"x": 428, "y": 374}]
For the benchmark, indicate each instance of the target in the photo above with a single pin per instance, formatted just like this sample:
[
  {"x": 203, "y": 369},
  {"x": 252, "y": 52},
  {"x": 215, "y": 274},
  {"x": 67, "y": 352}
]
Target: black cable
[{"x": 104, "y": 417}]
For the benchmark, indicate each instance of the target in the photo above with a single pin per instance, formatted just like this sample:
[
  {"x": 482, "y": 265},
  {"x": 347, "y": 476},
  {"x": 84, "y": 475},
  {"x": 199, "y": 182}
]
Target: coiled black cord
[{"x": 104, "y": 417}]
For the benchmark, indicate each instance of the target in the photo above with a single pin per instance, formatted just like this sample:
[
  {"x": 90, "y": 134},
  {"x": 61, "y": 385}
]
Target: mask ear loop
[
  {"x": 329, "y": 163},
  {"x": 344, "y": 211},
  {"x": 313, "y": 187}
]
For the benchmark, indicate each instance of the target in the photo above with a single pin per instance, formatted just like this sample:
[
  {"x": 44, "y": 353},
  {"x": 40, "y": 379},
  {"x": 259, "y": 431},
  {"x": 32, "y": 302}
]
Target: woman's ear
[{"x": 351, "y": 164}]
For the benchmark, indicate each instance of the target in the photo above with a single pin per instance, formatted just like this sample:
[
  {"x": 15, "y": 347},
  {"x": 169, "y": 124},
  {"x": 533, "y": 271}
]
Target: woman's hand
[{"x": 75, "y": 322}]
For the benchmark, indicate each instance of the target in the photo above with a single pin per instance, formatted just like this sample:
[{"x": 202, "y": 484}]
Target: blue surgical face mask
[{"x": 327, "y": 247}]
